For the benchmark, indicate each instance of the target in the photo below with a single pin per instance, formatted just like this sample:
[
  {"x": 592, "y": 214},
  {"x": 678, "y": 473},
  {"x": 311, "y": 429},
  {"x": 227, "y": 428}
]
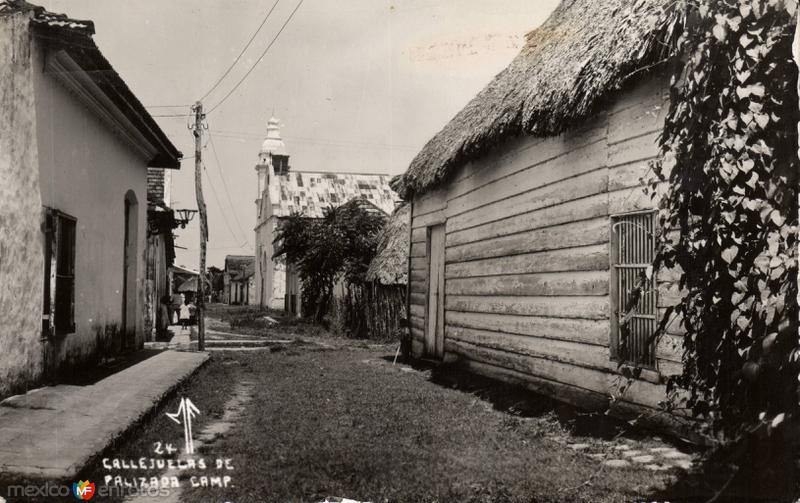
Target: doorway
[
  {"x": 434, "y": 322},
  {"x": 129, "y": 272}
]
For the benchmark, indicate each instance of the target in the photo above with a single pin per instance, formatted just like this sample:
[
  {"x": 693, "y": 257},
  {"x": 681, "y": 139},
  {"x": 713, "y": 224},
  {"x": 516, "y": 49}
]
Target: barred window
[
  {"x": 58, "y": 309},
  {"x": 633, "y": 295}
]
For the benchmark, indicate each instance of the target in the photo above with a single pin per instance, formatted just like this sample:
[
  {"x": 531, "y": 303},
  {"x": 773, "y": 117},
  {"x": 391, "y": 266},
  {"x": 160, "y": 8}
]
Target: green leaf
[
  {"x": 752, "y": 90},
  {"x": 729, "y": 216},
  {"x": 773, "y": 243},
  {"x": 777, "y": 272},
  {"x": 744, "y": 9},
  {"x": 753, "y": 180},
  {"x": 777, "y": 218},
  {"x": 762, "y": 119},
  {"x": 729, "y": 254},
  {"x": 743, "y": 322},
  {"x": 791, "y": 7},
  {"x": 719, "y": 32}
]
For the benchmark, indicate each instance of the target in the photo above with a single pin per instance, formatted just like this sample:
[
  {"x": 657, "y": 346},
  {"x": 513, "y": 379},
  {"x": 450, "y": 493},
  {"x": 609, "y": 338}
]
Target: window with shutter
[
  {"x": 58, "y": 309},
  {"x": 633, "y": 294}
]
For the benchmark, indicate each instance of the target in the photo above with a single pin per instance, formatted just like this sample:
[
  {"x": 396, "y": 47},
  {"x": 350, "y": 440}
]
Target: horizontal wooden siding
[{"x": 527, "y": 250}]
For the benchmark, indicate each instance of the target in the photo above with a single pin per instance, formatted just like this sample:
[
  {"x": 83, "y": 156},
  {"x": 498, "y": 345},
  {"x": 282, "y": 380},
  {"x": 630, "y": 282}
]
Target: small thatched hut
[
  {"x": 379, "y": 304},
  {"x": 390, "y": 265},
  {"x": 528, "y": 222}
]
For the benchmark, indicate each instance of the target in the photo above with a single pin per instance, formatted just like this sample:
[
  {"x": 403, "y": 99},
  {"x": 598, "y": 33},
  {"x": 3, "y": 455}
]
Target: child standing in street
[{"x": 185, "y": 315}]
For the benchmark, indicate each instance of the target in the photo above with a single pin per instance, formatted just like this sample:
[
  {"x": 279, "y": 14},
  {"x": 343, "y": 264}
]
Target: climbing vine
[{"x": 727, "y": 214}]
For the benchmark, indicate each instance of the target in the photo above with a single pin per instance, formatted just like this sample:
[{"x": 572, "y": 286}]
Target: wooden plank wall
[{"x": 527, "y": 253}]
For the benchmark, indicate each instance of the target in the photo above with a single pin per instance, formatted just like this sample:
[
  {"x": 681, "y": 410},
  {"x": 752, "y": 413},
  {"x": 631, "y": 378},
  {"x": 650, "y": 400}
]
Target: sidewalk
[
  {"x": 53, "y": 432},
  {"x": 181, "y": 340}
]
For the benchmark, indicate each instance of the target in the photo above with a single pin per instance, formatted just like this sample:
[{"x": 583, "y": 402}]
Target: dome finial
[{"x": 273, "y": 144}]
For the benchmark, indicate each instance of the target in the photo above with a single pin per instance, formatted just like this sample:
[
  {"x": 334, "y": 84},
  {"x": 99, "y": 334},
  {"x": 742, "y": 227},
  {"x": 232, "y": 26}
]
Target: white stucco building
[{"x": 75, "y": 147}]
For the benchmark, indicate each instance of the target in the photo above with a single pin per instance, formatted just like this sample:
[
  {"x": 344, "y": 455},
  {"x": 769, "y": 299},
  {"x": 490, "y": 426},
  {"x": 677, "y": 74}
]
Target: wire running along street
[
  {"x": 247, "y": 45},
  {"x": 260, "y": 58},
  {"x": 225, "y": 183},
  {"x": 245, "y": 244}
]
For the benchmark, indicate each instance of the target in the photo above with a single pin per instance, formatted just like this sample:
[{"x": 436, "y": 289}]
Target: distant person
[
  {"x": 185, "y": 315},
  {"x": 177, "y": 300}
]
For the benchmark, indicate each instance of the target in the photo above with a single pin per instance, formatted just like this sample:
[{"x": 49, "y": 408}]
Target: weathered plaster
[
  {"x": 21, "y": 245},
  {"x": 86, "y": 171},
  {"x": 55, "y": 152},
  {"x": 272, "y": 279}
]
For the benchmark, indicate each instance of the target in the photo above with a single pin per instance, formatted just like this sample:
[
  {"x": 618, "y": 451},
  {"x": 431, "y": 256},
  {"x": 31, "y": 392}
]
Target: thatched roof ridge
[
  {"x": 586, "y": 49},
  {"x": 390, "y": 265}
]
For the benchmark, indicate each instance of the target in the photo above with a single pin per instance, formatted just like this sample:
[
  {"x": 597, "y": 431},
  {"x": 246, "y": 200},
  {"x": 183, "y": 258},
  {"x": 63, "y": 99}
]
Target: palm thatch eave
[
  {"x": 390, "y": 264},
  {"x": 583, "y": 52}
]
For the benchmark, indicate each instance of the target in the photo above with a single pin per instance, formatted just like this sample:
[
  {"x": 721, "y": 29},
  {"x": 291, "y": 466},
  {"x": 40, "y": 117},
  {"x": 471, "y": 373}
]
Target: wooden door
[{"x": 434, "y": 323}]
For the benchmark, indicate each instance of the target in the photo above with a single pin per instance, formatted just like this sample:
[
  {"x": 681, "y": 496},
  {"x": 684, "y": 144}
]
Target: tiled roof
[
  {"x": 44, "y": 17},
  {"x": 75, "y": 36},
  {"x": 310, "y": 193}
]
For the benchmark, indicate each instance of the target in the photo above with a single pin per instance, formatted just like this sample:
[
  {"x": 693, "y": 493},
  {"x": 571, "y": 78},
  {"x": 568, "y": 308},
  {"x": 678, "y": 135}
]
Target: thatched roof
[
  {"x": 586, "y": 49},
  {"x": 390, "y": 265}
]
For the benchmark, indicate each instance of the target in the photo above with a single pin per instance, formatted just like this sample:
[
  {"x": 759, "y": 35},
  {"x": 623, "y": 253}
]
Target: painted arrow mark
[{"x": 184, "y": 415}]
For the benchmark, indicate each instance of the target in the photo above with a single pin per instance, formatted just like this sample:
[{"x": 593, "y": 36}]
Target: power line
[
  {"x": 258, "y": 60},
  {"x": 167, "y": 106},
  {"x": 324, "y": 142},
  {"x": 221, "y": 209},
  {"x": 256, "y": 135},
  {"x": 225, "y": 184},
  {"x": 225, "y": 74}
]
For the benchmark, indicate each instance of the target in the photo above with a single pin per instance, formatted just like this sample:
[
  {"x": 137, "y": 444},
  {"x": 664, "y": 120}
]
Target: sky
[{"x": 359, "y": 85}]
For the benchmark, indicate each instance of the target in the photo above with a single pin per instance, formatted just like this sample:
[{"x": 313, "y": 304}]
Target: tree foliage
[
  {"x": 338, "y": 246},
  {"x": 216, "y": 279},
  {"x": 728, "y": 212}
]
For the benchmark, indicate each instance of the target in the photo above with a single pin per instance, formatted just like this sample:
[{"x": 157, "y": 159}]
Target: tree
[
  {"x": 338, "y": 246},
  {"x": 215, "y": 280}
]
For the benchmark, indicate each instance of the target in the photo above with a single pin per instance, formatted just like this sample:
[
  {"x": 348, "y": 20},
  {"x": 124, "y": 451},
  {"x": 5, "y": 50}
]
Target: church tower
[
  {"x": 272, "y": 159},
  {"x": 273, "y": 162}
]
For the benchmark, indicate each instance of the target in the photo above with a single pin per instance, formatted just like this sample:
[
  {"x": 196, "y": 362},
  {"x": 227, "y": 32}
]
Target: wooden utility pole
[{"x": 199, "y": 116}]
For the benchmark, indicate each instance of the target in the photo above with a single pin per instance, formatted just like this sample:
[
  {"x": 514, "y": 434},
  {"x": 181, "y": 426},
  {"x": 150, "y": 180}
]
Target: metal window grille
[
  {"x": 58, "y": 307},
  {"x": 634, "y": 295}
]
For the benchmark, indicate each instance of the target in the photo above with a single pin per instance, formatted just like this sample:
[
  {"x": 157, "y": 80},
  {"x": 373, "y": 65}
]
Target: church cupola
[
  {"x": 273, "y": 144},
  {"x": 272, "y": 158}
]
